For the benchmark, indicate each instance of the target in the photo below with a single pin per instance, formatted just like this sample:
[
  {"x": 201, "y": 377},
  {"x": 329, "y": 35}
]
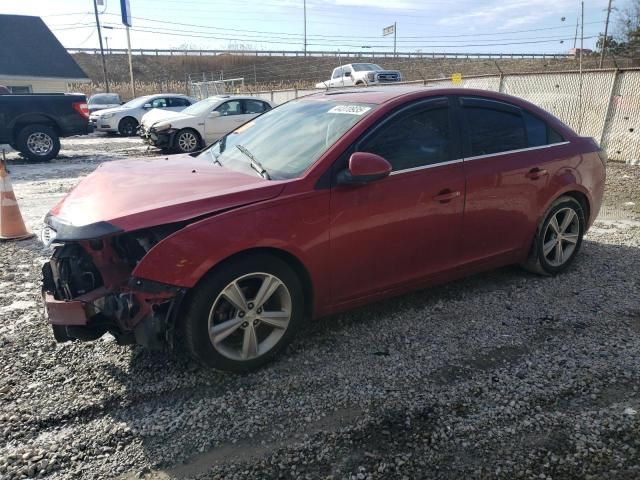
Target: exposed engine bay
[{"x": 96, "y": 277}]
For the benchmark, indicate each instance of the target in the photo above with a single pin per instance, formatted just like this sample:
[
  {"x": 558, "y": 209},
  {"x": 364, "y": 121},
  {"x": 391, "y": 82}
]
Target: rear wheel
[
  {"x": 241, "y": 315},
  {"x": 128, "y": 126},
  {"x": 186, "y": 141},
  {"x": 559, "y": 237},
  {"x": 39, "y": 143}
]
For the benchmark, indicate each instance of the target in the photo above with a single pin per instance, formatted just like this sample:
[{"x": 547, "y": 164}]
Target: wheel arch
[
  {"x": 290, "y": 259},
  {"x": 34, "y": 119}
]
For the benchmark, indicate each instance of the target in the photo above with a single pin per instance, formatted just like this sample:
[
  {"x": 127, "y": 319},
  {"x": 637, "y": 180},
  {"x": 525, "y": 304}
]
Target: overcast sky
[{"x": 493, "y": 26}]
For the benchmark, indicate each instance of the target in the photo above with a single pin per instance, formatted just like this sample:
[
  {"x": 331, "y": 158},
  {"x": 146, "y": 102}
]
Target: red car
[{"x": 320, "y": 205}]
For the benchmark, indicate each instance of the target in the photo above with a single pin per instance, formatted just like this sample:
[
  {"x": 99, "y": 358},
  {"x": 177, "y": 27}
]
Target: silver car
[{"x": 125, "y": 119}]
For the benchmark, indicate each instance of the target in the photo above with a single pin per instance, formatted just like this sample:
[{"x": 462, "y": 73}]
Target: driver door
[
  {"x": 229, "y": 115},
  {"x": 407, "y": 226},
  {"x": 347, "y": 76}
]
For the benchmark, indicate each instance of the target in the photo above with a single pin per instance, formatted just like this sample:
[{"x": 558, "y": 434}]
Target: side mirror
[
  {"x": 214, "y": 114},
  {"x": 347, "y": 74},
  {"x": 146, "y": 106},
  {"x": 363, "y": 168}
]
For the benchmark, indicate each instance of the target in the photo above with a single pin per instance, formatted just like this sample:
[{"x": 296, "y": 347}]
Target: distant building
[
  {"x": 576, "y": 52},
  {"x": 32, "y": 60}
]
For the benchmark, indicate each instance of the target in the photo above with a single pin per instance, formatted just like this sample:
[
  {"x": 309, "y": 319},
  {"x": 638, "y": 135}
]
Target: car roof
[
  {"x": 234, "y": 97},
  {"x": 381, "y": 95}
]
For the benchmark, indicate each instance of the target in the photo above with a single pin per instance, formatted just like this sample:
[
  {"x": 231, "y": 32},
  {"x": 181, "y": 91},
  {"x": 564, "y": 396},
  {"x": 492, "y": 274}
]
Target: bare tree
[{"x": 627, "y": 26}]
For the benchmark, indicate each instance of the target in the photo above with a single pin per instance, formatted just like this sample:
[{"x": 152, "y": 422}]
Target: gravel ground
[{"x": 501, "y": 375}]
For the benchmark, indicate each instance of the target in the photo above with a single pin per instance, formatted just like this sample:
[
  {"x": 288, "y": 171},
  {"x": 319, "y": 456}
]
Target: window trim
[
  {"x": 507, "y": 152},
  {"x": 454, "y": 150}
]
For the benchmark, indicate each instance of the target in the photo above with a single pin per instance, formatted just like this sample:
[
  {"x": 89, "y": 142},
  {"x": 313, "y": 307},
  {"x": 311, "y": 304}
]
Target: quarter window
[
  {"x": 417, "y": 137},
  {"x": 539, "y": 132}
]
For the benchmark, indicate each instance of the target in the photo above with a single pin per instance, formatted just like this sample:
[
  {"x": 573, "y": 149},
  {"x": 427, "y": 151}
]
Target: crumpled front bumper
[{"x": 156, "y": 139}]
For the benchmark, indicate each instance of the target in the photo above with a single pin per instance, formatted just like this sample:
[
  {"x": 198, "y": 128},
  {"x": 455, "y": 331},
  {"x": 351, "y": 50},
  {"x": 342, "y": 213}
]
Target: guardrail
[{"x": 299, "y": 53}]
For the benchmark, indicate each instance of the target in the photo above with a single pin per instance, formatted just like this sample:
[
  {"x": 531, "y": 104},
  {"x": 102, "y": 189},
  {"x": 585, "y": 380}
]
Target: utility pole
[
  {"x": 133, "y": 85},
  {"x": 104, "y": 63},
  {"x": 604, "y": 39},
  {"x": 581, "y": 48},
  {"x": 575, "y": 39},
  {"x": 305, "y": 26}
]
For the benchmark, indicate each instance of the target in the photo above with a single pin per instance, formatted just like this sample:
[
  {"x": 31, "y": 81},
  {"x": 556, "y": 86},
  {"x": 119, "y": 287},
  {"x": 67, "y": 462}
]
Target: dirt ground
[{"x": 501, "y": 375}]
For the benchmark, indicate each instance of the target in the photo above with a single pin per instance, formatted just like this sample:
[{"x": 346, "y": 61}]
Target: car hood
[
  {"x": 112, "y": 109},
  {"x": 156, "y": 116},
  {"x": 140, "y": 193}
]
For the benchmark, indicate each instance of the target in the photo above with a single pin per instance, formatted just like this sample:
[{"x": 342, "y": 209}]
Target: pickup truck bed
[{"x": 34, "y": 123}]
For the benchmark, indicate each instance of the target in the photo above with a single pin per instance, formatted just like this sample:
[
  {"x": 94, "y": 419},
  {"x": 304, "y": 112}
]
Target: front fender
[{"x": 298, "y": 226}]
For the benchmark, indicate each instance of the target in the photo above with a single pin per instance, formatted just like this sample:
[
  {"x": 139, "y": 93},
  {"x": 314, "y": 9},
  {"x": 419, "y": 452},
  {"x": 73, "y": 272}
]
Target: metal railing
[{"x": 323, "y": 53}]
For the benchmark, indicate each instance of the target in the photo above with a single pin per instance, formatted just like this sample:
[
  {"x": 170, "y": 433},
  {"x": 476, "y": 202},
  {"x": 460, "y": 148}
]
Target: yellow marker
[{"x": 456, "y": 78}]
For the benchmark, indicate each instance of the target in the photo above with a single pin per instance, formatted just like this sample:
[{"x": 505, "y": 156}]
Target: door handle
[
  {"x": 536, "y": 173},
  {"x": 446, "y": 195}
]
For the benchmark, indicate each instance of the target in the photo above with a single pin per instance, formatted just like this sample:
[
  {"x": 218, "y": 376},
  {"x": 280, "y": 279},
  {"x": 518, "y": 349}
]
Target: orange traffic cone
[{"x": 11, "y": 223}]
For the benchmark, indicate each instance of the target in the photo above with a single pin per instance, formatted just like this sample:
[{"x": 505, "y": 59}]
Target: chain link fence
[{"x": 603, "y": 104}]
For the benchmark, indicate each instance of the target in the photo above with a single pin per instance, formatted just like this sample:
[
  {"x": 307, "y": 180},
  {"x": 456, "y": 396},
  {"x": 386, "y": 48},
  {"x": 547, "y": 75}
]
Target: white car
[
  {"x": 360, "y": 74},
  {"x": 102, "y": 101},
  {"x": 201, "y": 124},
  {"x": 125, "y": 118}
]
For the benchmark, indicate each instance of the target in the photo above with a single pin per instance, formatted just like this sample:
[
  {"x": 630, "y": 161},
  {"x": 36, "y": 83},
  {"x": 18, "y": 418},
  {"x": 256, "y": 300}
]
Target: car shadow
[{"x": 187, "y": 418}]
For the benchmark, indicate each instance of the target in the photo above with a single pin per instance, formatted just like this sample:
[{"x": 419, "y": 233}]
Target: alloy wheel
[
  {"x": 250, "y": 316},
  {"x": 39, "y": 143},
  {"x": 187, "y": 142},
  {"x": 561, "y": 237}
]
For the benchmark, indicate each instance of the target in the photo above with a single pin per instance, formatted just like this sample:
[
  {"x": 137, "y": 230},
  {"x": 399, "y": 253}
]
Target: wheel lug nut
[
  {"x": 259, "y": 310},
  {"x": 245, "y": 324},
  {"x": 250, "y": 306},
  {"x": 241, "y": 314},
  {"x": 256, "y": 322}
]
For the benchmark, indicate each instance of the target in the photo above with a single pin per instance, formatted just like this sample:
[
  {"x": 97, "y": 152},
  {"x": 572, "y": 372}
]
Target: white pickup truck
[{"x": 360, "y": 74}]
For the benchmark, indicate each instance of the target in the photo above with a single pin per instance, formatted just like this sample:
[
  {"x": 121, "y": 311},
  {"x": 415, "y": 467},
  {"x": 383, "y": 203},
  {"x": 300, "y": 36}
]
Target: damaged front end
[{"x": 89, "y": 290}]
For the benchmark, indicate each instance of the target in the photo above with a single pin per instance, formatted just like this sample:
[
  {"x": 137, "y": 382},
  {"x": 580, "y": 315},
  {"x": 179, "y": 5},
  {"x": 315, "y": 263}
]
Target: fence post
[
  {"x": 501, "y": 83},
  {"x": 271, "y": 96},
  {"x": 614, "y": 82},
  {"x": 296, "y": 92}
]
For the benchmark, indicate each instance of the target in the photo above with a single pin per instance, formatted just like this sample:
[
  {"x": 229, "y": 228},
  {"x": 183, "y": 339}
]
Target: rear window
[
  {"x": 539, "y": 132},
  {"x": 493, "y": 130}
]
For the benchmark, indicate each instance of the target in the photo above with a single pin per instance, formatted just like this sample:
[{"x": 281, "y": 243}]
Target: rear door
[
  {"x": 510, "y": 156},
  {"x": 407, "y": 226}
]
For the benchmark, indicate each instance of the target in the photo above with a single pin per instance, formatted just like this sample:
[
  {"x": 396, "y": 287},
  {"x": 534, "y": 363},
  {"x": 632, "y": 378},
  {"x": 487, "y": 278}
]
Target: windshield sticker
[{"x": 350, "y": 109}]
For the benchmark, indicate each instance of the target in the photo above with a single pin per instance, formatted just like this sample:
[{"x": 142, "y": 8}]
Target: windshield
[
  {"x": 365, "y": 67},
  {"x": 137, "y": 102},
  {"x": 287, "y": 140},
  {"x": 201, "y": 107},
  {"x": 104, "y": 99}
]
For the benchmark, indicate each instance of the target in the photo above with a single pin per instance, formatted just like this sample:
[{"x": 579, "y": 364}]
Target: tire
[
  {"x": 127, "y": 127},
  {"x": 208, "y": 307},
  {"x": 186, "y": 141},
  {"x": 555, "y": 259},
  {"x": 361, "y": 84},
  {"x": 39, "y": 143}
]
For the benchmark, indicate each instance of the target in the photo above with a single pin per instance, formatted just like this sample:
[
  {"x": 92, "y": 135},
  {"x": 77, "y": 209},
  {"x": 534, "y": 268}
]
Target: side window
[
  {"x": 538, "y": 132},
  {"x": 178, "y": 102},
  {"x": 416, "y": 137},
  {"x": 337, "y": 73},
  {"x": 231, "y": 107},
  {"x": 253, "y": 106},
  {"x": 266, "y": 106},
  {"x": 159, "y": 103},
  {"x": 493, "y": 127}
]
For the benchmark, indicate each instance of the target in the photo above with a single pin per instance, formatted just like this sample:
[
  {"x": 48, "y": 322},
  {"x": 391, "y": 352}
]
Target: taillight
[{"x": 82, "y": 108}]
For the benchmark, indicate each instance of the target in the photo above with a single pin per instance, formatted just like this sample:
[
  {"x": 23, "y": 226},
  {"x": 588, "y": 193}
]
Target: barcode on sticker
[{"x": 350, "y": 109}]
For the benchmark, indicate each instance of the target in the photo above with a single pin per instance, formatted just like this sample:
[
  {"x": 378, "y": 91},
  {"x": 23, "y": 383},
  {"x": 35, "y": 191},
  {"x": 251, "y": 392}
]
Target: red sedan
[{"x": 317, "y": 206}]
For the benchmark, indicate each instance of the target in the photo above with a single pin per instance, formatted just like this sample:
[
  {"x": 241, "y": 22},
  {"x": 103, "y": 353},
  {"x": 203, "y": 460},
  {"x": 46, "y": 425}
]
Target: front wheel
[
  {"x": 39, "y": 143},
  {"x": 186, "y": 141},
  {"x": 558, "y": 238},
  {"x": 127, "y": 127},
  {"x": 241, "y": 315}
]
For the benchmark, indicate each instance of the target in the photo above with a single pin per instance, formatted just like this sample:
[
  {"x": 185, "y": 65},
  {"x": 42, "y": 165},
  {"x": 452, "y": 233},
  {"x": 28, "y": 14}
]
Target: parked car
[
  {"x": 360, "y": 74},
  {"x": 33, "y": 123},
  {"x": 102, "y": 101},
  {"x": 125, "y": 118},
  {"x": 201, "y": 124},
  {"x": 319, "y": 205}
]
